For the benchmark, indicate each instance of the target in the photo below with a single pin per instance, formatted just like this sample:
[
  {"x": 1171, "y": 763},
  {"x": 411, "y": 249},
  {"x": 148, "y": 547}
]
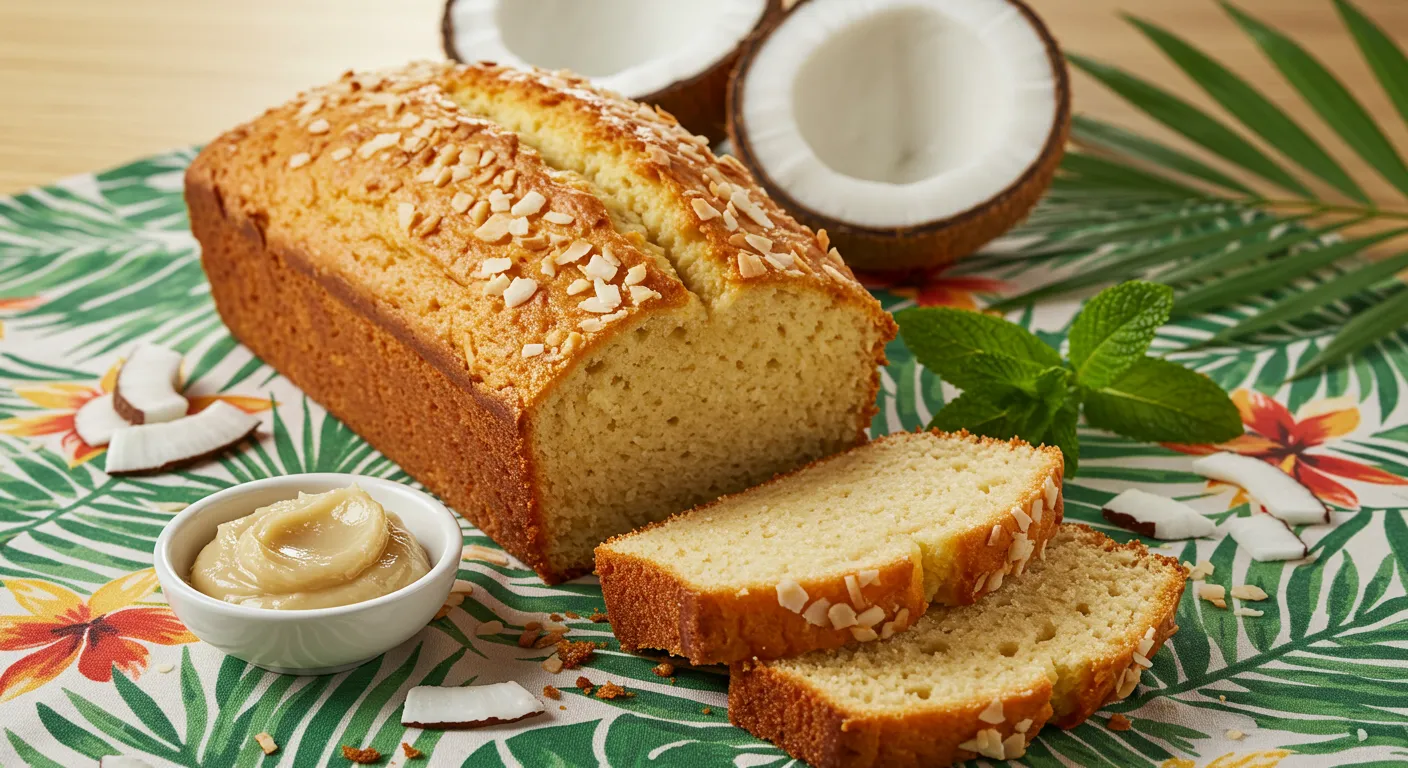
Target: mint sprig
[{"x": 1016, "y": 385}]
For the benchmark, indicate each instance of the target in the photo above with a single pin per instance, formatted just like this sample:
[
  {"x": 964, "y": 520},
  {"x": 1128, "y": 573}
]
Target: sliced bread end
[{"x": 1053, "y": 645}]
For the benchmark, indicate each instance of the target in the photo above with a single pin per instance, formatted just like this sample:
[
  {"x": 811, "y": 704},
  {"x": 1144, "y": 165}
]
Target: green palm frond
[{"x": 1178, "y": 219}]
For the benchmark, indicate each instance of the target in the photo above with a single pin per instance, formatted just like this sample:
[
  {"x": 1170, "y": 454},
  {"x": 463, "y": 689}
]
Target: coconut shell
[
  {"x": 699, "y": 103},
  {"x": 876, "y": 249}
]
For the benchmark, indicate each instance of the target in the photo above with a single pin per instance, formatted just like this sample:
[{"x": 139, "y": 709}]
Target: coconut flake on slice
[
  {"x": 97, "y": 420},
  {"x": 1267, "y": 538},
  {"x": 156, "y": 447},
  {"x": 1151, "y": 515},
  {"x": 1277, "y": 492},
  {"x": 674, "y": 53},
  {"x": 913, "y": 131},
  {"x": 470, "y": 706},
  {"x": 148, "y": 386}
]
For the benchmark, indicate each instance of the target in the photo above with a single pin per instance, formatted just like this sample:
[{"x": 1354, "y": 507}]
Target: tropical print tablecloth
[{"x": 92, "y": 663}]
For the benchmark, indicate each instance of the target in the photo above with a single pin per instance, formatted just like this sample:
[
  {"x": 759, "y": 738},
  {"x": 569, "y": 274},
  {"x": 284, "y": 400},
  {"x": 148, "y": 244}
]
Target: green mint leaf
[
  {"x": 1062, "y": 434},
  {"x": 1114, "y": 330},
  {"x": 973, "y": 351},
  {"x": 1163, "y": 402},
  {"x": 981, "y": 414},
  {"x": 1051, "y": 390}
]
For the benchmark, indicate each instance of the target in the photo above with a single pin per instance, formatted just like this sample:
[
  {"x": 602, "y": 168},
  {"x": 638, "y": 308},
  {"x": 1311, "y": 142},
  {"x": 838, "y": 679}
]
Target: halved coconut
[
  {"x": 470, "y": 706},
  {"x": 97, "y": 420},
  {"x": 912, "y": 131},
  {"x": 148, "y": 386},
  {"x": 676, "y": 54},
  {"x": 169, "y": 444}
]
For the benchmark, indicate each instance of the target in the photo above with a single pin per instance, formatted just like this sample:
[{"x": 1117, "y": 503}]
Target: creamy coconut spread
[{"x": 315, "y": 551}]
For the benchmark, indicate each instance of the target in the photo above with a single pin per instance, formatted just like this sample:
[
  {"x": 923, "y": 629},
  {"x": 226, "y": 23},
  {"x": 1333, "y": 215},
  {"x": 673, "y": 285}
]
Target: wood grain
[{"x": 88, "y": 84}]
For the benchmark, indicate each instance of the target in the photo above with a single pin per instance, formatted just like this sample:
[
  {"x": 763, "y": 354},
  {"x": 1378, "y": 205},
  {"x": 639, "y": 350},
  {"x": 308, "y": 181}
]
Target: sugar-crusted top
[{"x": 455, "y": 227}]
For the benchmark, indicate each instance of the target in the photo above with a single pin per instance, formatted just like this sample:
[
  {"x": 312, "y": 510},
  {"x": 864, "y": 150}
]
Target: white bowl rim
[{"x": 446, "y": 560}]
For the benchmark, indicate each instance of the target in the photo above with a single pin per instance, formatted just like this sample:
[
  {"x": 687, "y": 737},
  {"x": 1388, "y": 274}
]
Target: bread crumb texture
[
  {"x": 861, "y": 511},
  {"x": 542, "y": 242},
  {"x": 1054, "y": 644}
]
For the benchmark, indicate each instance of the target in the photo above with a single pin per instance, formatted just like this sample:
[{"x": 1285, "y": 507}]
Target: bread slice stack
[
  {"x": 817, "y": 587},
  {"x": 852, "y": 548},
  {"x": 1072, "y": 633}
]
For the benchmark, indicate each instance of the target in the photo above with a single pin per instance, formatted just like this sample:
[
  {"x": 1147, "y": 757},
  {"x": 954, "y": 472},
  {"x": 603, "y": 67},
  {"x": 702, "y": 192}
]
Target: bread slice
[
  {"x": 1054, "y": 645},
  {"x": 551, "y": 305},
  {"x": 851, "y": 548}
]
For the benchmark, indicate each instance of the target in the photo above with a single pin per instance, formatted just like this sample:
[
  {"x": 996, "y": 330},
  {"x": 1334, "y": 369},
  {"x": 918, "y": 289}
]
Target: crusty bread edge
[
  {"x": 652, "y": 606},
  {"x": 229, "y": 237},
  {"x": 808, "y": 724}
]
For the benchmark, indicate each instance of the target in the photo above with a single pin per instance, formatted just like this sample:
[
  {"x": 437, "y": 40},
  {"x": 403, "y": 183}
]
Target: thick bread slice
[
  {"x": 1057, "y": 643},
  {"x": 852, "y": 548},
  {"x": 501, "y": 279}
]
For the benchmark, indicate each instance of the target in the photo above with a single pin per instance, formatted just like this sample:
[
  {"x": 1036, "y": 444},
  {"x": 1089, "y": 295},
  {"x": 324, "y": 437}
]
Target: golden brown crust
[
  {"x": 653, "y": 606},
  {"x": 935, "y": 243},
  {"x": 810, "y": 725},
  {"x": 688, "y": 170},
  {"x": 294, "y": 208},
  {"x": 368, "y": 370},
  {"x": 656, "y": 610}
]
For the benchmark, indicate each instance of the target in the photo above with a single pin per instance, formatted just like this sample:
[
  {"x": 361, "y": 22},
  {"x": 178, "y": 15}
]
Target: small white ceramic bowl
[{"x": 318, "y": 641}]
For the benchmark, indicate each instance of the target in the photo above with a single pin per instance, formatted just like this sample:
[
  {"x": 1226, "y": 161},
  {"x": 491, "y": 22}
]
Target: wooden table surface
[{"x": 87, "y": 84}]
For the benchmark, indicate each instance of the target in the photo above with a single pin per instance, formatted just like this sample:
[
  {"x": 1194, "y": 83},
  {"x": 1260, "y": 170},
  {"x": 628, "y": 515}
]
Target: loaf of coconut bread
[
  {"x": 552, "y": 306},
  {"x": 1053, "y": 645},
  {"x": 851, "y": 549}
]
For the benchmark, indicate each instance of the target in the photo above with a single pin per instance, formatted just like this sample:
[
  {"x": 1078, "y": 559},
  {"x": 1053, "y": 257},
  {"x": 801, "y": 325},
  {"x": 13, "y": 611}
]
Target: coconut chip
[
  {"x": 147, "y": 390},
  {"x": 166, "y": 445},
  {"x": 1151, "y": 515},
  {"x": 96, "y": 421},
  {"x": 470, "y": 706},
  {"x": 1281, "y": 495},
  {"x": 1249, "y": 592},
  {"x": 1266, "y": 538},
  {"x": 1201, "y": 571},
  {"x": 266, "y": 743}
]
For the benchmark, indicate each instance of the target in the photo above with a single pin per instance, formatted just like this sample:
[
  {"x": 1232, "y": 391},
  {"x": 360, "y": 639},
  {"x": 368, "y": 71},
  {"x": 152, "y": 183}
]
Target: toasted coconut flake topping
[
  {"x": 816, "y": 613},
  {"x": 791, "y": 595},
  {"x": 841, "y": 616},
  {"x": 993, "y": 713}
]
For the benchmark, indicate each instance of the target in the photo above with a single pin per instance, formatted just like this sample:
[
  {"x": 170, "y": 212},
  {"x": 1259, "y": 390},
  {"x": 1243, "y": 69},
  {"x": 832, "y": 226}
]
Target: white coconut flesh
[
  {"x": 149, "y": 383},
  {"x": 1281, "y": 495},
  {"x": 468, "y": 706},
  {"x": 153, "y": 447},
  {"x": 633, "y": 47},
  {"x": 898, "y": 113},
  {"x": 1168, "y": 520},
  {"x": 1266, "y": 538},
  {"x": 96, "y": 421}
]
